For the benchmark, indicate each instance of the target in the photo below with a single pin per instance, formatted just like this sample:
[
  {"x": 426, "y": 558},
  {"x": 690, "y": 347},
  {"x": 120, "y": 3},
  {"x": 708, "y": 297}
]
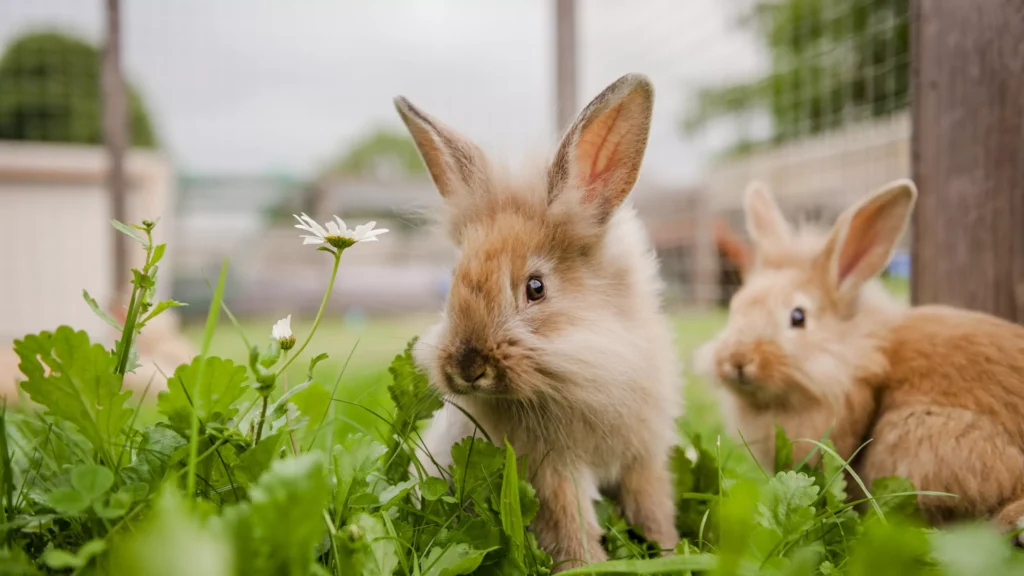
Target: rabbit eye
[
  {"x": 797, "y": 317},
  {"x": 534, "y": 289}
]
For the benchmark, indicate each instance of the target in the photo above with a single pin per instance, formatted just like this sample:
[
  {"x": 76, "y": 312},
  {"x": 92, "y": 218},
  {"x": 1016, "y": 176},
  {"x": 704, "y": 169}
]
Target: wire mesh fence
[
  {"x": 809, "y": 96},
  {"x": 824, "y": 120}
]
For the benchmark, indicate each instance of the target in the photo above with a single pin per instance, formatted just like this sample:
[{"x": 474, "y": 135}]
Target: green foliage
[
  {"x": 415, "y": 401},
  {"x": 213, "y": 395},
  {"x": 85, "y": 491},
  {"x": 831, "y": 62},
  {"x": 75, "y": 380},
  {"x": 52, "y": 93}
]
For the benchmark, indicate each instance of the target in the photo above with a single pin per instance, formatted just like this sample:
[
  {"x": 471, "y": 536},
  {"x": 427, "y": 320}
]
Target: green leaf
[
  {"x": 312, "y": 364},
  {"x": 158, "y": 254},
  {"x": 835, "y": 477},
  {"x": 279, "y": 530},
  {"x": 63, "y": 560},
  {"x": 392, "y": 495},
  {"x": 116, "y": 506},
  {"x": 67, "y": 501},
  {"x": 975, "y": 549},
  {"x": 91, "y": 480},
  {"x": 415, "y": 400},
  {"x": 354, "y": 459},
  {"x": 889, "y": 549},
  {"x": 129, "y": 232},
  {"x": 366, "y": 548},
  {"x": 528, "y": 503},
  {"x": 783, "y": 450},
  {"x": 786, "y": 504},
  {"x": 477, "y": 533},
  {"x": 98, "y": 310},
  {"x": 152, "y": 456},
  {"x": 279, "y": 408},
  {"x": 271, "y": 354},
  {"x": 894, "y": 495},
  {"x": 452, "y": 560},
  {"x": 256, "y": 460},
  {"x": 160, "y": 308},
  {"x": 14, "y": 562},
  {"x": 477, "y": 470},
  {"x": 432, "y": 488},
  {"x": 511, "y": 513},
  {"x": 173, "y": 540},
  {"x": 80, "y": 386},
  {"x": 214, "y": 398}
]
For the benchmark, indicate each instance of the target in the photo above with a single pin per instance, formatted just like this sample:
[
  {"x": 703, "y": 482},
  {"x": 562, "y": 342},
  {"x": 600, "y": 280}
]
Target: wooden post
[
  {"x": 115, "y": 134},
  {"x": 968, "y": 143},
  {"x": 565, "y": 64}
]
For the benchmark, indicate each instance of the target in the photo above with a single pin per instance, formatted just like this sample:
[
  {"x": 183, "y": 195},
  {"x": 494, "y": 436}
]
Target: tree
[
  {"x": 382, "y": 153},
  {"x": 831, "y": 62},
  {"x": 51, "y": 93}
]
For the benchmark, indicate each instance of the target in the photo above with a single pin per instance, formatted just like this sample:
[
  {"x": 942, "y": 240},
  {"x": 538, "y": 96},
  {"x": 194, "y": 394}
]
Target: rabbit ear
[
  {"x": 454, "y": 163},
  {"x": 765, "y": 222},
  {"x": 863, "y": 239},
  {"x": 599, "y": 159}
]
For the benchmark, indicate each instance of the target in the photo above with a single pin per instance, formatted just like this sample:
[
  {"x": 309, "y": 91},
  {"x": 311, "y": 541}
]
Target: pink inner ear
[
  {"x": 597, "y": 150},
  {"x": 859, "y": 242}
]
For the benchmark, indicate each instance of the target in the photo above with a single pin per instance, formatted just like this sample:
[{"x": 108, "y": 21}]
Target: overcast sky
[{"x": 251, "y": 86}]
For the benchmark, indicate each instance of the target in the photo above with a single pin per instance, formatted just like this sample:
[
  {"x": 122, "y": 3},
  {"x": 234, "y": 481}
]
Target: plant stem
[
  {"x": 319, "y": 314},
  {"x": 287, "y": 418},
  {"x": 263, "y": 418},
  {"x": 127, "y": 334}
]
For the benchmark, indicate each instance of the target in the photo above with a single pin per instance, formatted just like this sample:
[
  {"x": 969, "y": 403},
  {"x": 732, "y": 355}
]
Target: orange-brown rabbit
[
  {"x": 552, "y": 334},
  {"x": 814, "y": 344}
]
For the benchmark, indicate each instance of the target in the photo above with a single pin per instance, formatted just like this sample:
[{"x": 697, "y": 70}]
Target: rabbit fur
[
  {"x": 938, "y": 391},
  {"x": 584, "y": 381}
]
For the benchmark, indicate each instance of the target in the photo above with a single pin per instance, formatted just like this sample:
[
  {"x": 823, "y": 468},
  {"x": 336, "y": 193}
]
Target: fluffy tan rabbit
[
  {"x": 814, "y": 344},
  {"x": 552, "y": 333}
]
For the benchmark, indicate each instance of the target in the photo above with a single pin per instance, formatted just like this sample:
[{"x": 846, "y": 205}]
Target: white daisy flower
[
  {"x": 335, "y": 233},
  {"x": 282, "y": 332}
]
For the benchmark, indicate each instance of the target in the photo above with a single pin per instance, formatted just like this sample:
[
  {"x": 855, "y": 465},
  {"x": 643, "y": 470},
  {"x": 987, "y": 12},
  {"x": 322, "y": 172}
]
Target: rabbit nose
[
  {"x": 741, "y": 365},
  {"x": 471, "y": 365}
]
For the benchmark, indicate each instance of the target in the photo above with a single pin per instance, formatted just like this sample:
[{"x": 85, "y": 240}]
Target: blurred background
[{"x": 224, "y": 117}]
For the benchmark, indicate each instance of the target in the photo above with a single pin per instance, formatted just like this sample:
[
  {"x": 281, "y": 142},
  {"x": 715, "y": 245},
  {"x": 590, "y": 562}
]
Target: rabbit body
[
  {"x": 949, "y": 414},
  {"x": 815, "y": 345},
  {"x": 552, "y": 334}
]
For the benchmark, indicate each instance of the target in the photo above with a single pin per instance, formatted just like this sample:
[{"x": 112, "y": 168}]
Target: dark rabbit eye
[
  {"x": 797, "y": 317},
  {"x": 534, "y": 289}
]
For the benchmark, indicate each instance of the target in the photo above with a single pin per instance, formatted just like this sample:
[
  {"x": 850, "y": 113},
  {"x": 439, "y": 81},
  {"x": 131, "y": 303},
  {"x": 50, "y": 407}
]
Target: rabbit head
[
  {"x": 536, "y": 294},
  {"x": 806, "y": 323}
]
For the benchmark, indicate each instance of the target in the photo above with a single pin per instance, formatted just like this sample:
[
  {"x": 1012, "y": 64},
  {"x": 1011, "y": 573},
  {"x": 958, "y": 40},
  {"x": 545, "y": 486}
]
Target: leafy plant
[{"x": 237, "y": 476}]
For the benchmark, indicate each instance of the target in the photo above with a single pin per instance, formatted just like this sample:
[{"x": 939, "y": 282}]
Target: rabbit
[
  {"x": 552, "y": 335},
  {"x": 814, "y": 344}
]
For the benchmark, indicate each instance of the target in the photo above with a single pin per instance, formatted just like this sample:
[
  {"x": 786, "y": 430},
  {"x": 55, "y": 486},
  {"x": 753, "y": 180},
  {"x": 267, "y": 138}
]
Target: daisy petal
[
  {"x": 332, "y": 229},
  {"x": 316, "y": 228}
]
